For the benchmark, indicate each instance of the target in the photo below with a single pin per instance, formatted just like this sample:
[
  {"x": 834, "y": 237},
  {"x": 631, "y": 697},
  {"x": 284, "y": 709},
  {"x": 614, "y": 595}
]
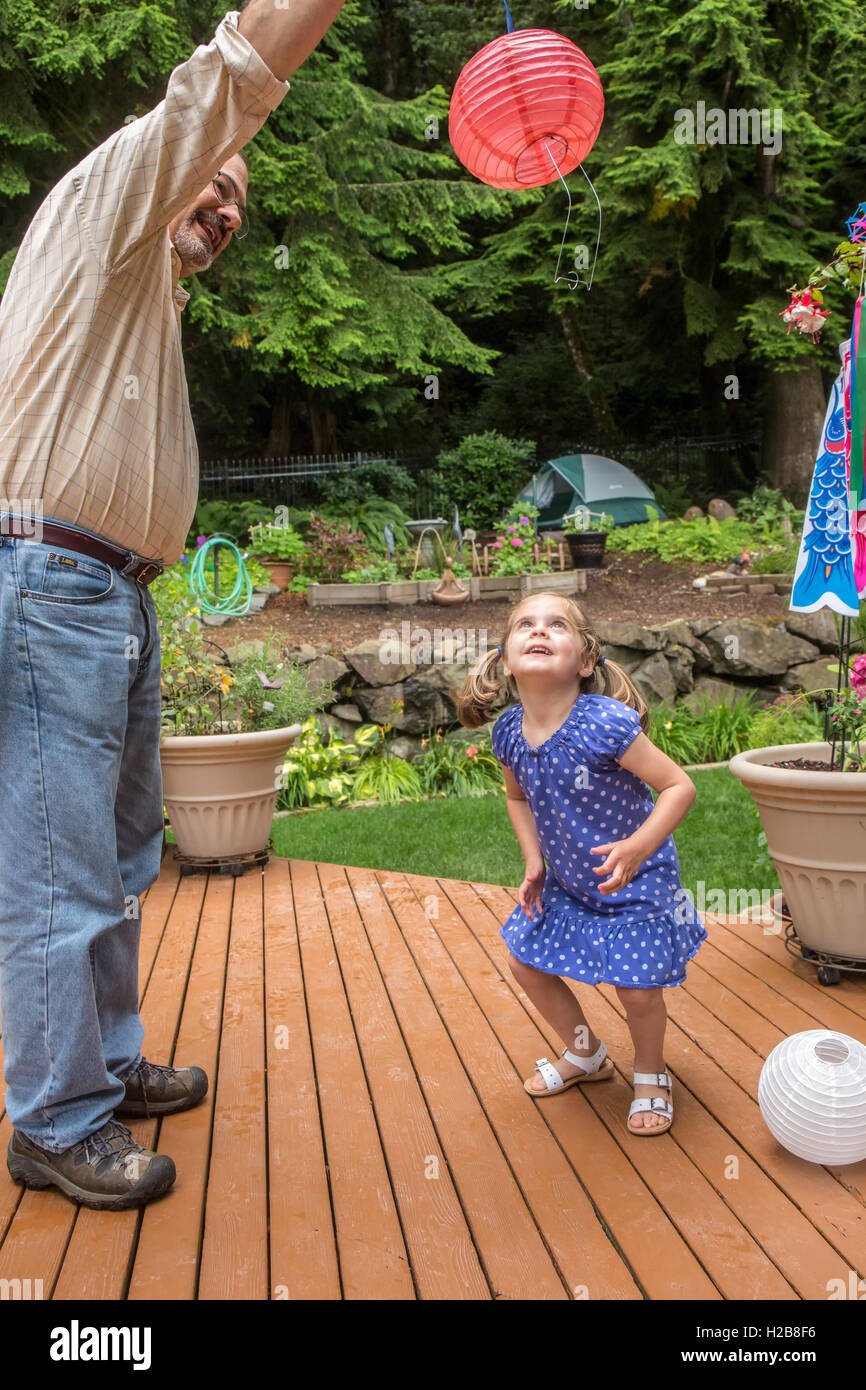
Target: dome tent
[{"x": 588, "y": 480}]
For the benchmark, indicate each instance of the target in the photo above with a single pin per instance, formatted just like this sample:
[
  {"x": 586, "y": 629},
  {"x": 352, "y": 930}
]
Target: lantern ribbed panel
[
  {"x": 516, "y": 91},
  {"x": 814, "y": 1106}
]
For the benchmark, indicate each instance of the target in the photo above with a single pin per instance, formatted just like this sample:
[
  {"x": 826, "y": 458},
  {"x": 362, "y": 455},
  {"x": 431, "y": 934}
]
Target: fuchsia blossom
[
  {"x": 858, "y": 674},
  {"x": 515, "y": 540},
  {"x": 497, "y": 545},
  {"x": 512, "y": 528}
]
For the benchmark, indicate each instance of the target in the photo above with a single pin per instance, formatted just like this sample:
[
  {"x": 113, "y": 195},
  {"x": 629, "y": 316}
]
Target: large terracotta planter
[
  {"x": 815, "y": 823},
  {"x": 220, "y": 790}
]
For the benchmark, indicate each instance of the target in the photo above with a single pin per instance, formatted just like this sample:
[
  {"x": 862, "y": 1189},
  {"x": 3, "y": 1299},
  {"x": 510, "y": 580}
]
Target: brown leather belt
[{"x": 68, "y": 539}]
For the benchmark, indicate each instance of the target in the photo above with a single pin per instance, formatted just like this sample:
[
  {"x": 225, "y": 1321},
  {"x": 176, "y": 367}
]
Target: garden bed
[{"x": 508, "y": 588}]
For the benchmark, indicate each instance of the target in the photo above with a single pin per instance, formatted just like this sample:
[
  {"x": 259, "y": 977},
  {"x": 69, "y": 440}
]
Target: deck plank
[
  {"x": 374, "y": 1262},
  {"x": 441, "y": 1253},
  {"x": 303, "y": 1244}
]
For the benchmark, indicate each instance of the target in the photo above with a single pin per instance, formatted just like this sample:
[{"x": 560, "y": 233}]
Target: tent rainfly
[{"x": 588, "y": 480}]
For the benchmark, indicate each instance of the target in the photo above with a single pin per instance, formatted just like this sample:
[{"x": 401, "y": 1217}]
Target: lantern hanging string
[{"x": 573, "y": 279}]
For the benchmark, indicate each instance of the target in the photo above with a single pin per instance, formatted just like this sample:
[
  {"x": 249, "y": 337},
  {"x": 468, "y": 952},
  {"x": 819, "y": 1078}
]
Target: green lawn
[{"x": 471, "y": 838}]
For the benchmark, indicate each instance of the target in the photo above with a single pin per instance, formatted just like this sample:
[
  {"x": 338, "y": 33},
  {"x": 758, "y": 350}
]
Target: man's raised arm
[{"x": 285, "y": 32}]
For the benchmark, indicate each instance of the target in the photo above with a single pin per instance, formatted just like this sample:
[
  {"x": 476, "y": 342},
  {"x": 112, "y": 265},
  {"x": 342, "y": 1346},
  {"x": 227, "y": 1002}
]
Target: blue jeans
[{"x": 81, "y": 831}]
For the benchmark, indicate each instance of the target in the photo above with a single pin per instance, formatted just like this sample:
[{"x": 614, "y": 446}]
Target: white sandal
[
  {"x": 657, "y": 1104},
  {"x": 598, "y": 1067}
]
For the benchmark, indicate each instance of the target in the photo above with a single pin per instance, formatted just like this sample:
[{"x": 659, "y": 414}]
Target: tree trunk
[
  {"x": 601, "y": 415},
  {"x": 792, "y": 430},
  {"x": 282, "y": 428},
  {"x": 323, "y": 425}
]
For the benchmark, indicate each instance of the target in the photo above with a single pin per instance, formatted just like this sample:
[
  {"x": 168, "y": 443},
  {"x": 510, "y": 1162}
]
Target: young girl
[{"x": 605, "y": 907}]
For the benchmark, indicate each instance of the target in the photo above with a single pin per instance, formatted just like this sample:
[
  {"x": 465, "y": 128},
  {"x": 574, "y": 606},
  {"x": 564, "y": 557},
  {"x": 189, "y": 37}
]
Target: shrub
[
  {"x": 789, "y": 719},
  {"x": 331, "y": 549},
  {"x": 458, "y": 768},
  {"x": 483, "y": 474}
]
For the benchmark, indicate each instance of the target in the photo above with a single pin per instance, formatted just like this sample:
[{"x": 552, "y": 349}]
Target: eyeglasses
[{"x": 227, "y": 191}]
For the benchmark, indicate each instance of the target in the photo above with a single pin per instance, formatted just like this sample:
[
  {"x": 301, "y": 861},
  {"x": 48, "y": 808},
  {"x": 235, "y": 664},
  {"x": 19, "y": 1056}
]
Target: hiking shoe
[
  {"x": 155, "y": 1090},
  {"x": 107, "y": 1171}
]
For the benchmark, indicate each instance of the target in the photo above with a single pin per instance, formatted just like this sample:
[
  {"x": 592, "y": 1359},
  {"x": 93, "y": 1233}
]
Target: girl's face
[{"x": 544, "y": 642}]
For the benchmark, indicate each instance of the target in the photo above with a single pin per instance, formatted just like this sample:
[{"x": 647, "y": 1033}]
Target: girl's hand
[
  {"x": 529, "y": 893},
  {"x": 623, "y": 860}
]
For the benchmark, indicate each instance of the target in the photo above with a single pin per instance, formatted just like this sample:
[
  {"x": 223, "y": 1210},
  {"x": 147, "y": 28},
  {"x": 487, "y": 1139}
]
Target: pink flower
[
  {"x": 858, "y": 673},
  {"x": 512, "y": 528},
  {"x": 497, "y": 545},
  {"x": 524, "y": 521},
  {"x": 471, "y": 752},
  {"x": 515, "y": 540}
]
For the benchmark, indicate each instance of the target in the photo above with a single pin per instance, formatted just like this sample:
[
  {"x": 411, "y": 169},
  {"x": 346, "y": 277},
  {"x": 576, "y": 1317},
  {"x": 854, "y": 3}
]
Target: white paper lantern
[{"x": 812, "y": 1094}]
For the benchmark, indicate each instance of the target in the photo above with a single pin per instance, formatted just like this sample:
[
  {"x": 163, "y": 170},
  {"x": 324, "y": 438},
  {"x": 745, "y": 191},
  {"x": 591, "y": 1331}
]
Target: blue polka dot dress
[{"x": 641, "y": 937}]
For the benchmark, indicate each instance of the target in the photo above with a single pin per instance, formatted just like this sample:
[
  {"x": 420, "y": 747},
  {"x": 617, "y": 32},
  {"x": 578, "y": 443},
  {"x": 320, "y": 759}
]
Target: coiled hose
[{"x": 233, "y": 605}]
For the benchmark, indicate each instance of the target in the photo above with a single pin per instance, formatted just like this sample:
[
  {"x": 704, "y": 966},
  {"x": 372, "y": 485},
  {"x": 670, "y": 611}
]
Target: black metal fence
[{"x": 705, "y": 463}]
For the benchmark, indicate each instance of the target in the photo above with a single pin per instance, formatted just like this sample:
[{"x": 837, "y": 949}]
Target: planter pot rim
[
  {"x": 752, "y": 767},
  {"x": 204, "y": 743}
]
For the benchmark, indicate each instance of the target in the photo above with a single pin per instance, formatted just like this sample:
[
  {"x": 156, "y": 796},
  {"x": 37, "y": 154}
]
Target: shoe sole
[
  {"x": 137, "y": 1110},
  {"x": 37, "y": 1176},
  {"x": 604, "y": 1073}
]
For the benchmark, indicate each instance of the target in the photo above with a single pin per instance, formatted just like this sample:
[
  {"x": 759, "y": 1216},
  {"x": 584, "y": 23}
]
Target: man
[{"x": 98, "y": 487}]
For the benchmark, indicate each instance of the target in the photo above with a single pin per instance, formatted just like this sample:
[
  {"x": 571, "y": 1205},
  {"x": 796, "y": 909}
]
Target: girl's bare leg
[
  {"x": 555, "y": 1002},
  {"x": 647, "y": 1019}
]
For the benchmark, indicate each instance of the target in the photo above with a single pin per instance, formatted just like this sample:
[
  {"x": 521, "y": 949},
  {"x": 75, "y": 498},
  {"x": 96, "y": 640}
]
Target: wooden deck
[{"x": 367, "y": 1136}]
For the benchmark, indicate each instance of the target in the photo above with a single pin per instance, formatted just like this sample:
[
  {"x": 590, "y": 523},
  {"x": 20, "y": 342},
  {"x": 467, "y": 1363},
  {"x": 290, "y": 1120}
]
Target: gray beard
[{"x": 193, "y": 252}]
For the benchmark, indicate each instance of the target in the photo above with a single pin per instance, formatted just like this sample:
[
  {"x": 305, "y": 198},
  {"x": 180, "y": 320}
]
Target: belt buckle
[{"x": 139, "y": 578}]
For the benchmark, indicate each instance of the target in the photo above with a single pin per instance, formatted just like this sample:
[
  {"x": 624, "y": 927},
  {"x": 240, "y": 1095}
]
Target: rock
[
  {"x": 682, "y": 634},
  {"x": 627, "y": 635},
  {"x": 257, "y": 602},
  {"x": 374, "y": 663},
  {"x": 428, "y": 702},
  {"x": 454, "y": 675},
  {"x": 242, "y": 650},
  {"x": 654, "y": 680},
  {"x": 744, "y": 647},
  {"x": 626, "y": 657},
  {"x": 701, "y": 625},
  {"x": 266, "y": 589},
  {"x": 405, "y": 747},
  {"x": 303, "y": 653},
  {"x": 692, "y": 513},
  {"x": 324, "y": 669},
  {"x": 811, "y": 676},
  {"x": 815, "y": 627},
  {"x": 214, "y": 619},
  {"x": 380, "y": 704},
  {"x": 349, "y": 713},
  {"x": 720, "y": 510},
  {"x": 700, "y": 582},
  {"x": 681, "y": 662},
  {"x": 713, "y": 692},
  {"x": 329, "y": 723}
]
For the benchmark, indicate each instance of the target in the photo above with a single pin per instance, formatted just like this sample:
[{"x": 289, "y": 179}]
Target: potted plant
[
  {"x": 586, "y": 535},
  {"x": 279, "y": 548},
  {"x": 226, "y": 728},
  {"x": 815, "y": 823}
]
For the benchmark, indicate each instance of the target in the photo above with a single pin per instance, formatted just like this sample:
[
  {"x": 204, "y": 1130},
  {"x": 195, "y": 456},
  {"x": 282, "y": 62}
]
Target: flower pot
[
  {"x": 220, "y": 790},
  {"x": 587, "y": 549},
  {"x": 815, "y": 823},
  {"x": 279, "y": 570}
]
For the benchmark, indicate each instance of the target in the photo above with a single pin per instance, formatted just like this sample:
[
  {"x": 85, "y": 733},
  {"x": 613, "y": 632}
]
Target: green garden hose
[{"x": 233, "y": 605}]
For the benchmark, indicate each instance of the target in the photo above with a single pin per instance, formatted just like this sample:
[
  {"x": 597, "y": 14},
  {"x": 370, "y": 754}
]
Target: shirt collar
[{"x": 181, "y": 296}]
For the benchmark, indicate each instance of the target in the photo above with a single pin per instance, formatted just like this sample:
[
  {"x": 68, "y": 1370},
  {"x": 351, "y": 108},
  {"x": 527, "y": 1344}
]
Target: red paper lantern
[{"x": 523, "y": 89}]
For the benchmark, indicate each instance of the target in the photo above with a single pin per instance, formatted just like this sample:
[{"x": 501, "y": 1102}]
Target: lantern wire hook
[{"x": 573, "y": 278}]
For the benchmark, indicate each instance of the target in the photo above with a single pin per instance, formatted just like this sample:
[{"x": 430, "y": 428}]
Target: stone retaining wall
[{"x": 379, "y": 682}]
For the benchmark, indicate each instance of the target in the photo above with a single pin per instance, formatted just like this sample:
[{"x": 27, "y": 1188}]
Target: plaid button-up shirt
[{"x": 95, "y": 427}]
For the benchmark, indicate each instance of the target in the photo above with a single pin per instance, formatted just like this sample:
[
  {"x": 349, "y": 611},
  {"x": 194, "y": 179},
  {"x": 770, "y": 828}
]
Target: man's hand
[
  {"x": 285, "y": 32},
  {"x": 623, "y": 860},
  {"x": 529, "y": 893}
]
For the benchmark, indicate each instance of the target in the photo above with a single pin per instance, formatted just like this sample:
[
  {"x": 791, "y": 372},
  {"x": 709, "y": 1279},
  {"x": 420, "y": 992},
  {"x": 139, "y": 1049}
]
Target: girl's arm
[
  {"x": 677, "y": 793},
  {"x": 523, "y": 824}
]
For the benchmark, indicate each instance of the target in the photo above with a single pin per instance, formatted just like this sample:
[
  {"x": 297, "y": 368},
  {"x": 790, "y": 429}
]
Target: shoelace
[{"x": 100, "y": 1145}]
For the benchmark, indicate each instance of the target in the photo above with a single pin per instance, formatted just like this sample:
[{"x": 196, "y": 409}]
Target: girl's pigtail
[
  {"x": 485, "y": 690},
  {"x": 613, "y": 681}
]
